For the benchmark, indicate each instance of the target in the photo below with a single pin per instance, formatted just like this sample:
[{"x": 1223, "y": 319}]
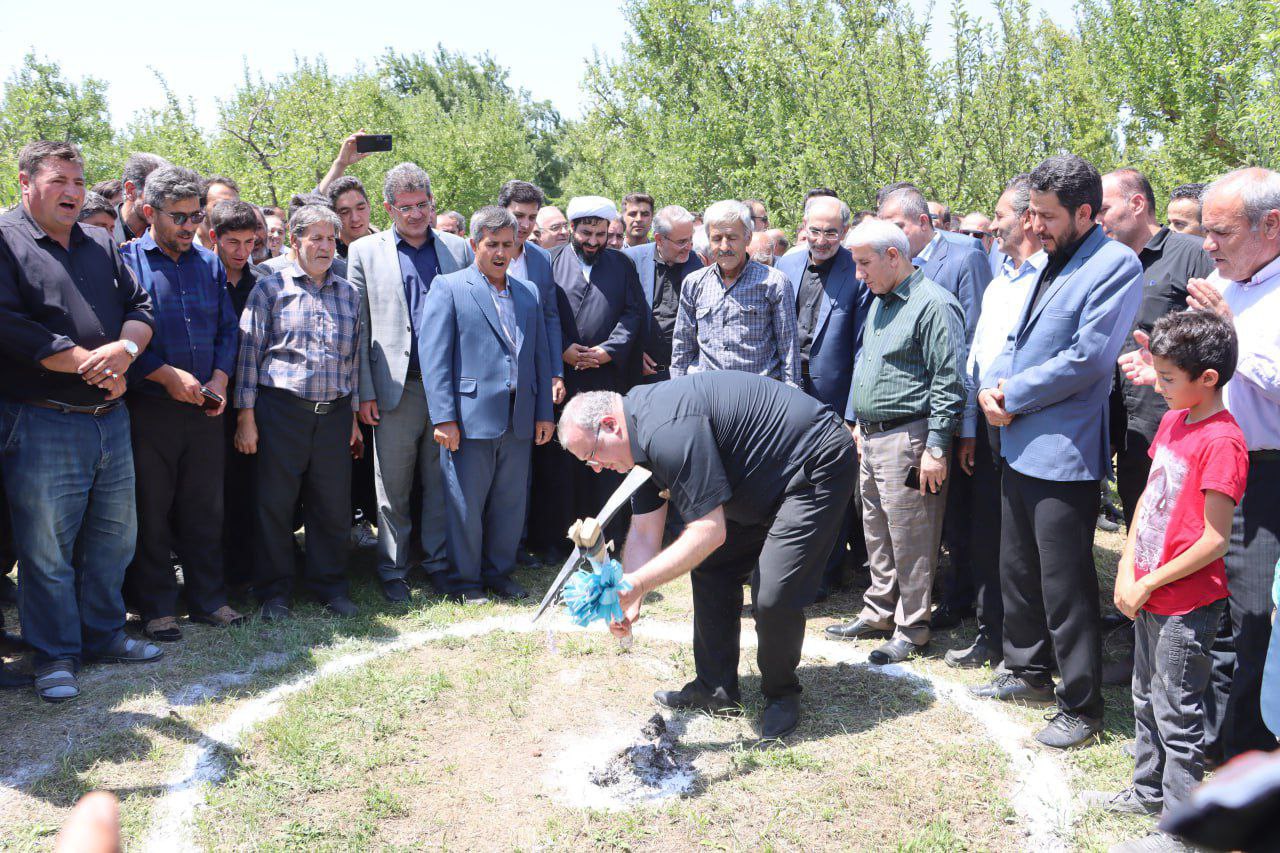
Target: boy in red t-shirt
[{"x": 1171, "y": 580}]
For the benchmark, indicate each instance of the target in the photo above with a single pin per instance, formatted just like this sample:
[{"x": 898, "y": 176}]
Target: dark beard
[
  {"x": 581, "y": 250},
  {"x": 1067, "y": 246}
]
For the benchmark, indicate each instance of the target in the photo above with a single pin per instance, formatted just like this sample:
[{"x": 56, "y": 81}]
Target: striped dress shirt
[
  {"x": 749, "y": 325},
  {"x": 300, "y": 337},
  {"x": 912, "y": 359}
]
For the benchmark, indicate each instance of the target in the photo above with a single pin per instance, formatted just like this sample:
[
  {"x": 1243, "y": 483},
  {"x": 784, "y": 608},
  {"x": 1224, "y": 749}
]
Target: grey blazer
[{"x": 386, "y": 332}]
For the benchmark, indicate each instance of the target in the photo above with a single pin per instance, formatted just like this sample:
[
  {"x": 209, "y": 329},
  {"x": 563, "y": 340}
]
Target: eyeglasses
[
  {"x": 974, "y": 232},
  {"x": 181, "y": 219},
  {"x": 592, "y": 460},
  {"x": 420, "y": 207},
  {"x": 823, "y": 234},
  {"x": 558, "y": 227}
]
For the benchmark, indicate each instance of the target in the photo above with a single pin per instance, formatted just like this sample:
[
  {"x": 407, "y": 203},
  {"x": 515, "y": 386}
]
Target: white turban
[{"x": 591, "y": 205}]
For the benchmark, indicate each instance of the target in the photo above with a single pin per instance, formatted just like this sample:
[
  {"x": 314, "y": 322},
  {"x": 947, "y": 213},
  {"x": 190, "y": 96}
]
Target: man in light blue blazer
[
  {"x": 483, "y": 349},
  {"x": 662, "y": 266},
  {"x": 1048, "y": 393},
  {"x": 394, "y": 270}
]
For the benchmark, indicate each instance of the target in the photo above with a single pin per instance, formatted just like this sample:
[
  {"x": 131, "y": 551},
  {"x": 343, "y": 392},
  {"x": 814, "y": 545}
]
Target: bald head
[
  {"x": 826, "y": 221},
  {"x": 760, "y": 249},
  {"x": 551, "y": 228}
]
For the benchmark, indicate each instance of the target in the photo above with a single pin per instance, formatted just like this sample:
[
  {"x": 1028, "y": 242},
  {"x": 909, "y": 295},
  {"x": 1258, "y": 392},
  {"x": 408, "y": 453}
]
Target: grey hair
[
  {"x": 910, "y": 201},
  {"x": 171, "y": 183},
  {"x": 586, "y": 411},
  {"x": 456, "y": 217},
  {"x": 492, "y": 219},
  {"x": 879, "y": 235},
  {"x": 669, "y": 217},
  {"x": 845, "y": 214},
  {"x": 701, "y": 242},
  {"x": 1020, "y": 187},
  {"x": 308, "y": 215},
  {"x": 405, "y": 178},
  {"x": 1259, "y": 191},
  {"x": 139, "y": 165},
  {"x": 727, "y": 212}
]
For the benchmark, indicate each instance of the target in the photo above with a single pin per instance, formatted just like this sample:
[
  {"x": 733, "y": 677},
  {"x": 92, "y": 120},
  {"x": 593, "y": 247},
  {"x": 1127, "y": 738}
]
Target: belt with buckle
[
  {"x": 873, "y": 427},
  {"x": 310, "y": 405},
  {"x": 70, "y": 409}
]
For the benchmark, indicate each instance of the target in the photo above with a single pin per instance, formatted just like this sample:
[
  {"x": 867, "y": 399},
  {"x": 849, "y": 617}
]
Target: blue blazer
[
  {"x": 838, "y": 334},
  {"x": 959, "y": 264},
  {"x": 466, "y": 357},
  {"x": 538, "y": 262},
  {"x": 1059, "y": 363}
]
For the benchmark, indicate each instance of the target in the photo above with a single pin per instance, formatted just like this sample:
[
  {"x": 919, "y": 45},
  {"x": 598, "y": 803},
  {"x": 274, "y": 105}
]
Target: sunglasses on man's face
[
  {"x": 181, "y": 219},
  {"x": 975, "y": 233}
]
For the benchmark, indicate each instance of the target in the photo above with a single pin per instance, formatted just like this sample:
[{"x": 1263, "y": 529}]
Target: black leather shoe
[
  {"x": 340, "y": 605},
  {"x": 945, "y": 617},
  {"x": 978, "y": 655},
  {"x": 780, "y": 717},
  {"x": 1068, "y": 730},
  {"x": 395, "y": 590},
  {"x": 11, "y": 678},
  {"x": 895, "y": 651},
  {"x": 858, "y": 629},
  {"x": 275, "y": 609},
  {"x": 1008, "y": 687},
  {"x": 689, "y": 698},
  {"x": 507, "y": 588},
  {"x": 469, "y": 596}
]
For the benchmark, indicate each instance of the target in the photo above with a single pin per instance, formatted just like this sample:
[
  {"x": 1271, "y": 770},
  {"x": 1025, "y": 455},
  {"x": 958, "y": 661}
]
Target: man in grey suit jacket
[
  {"x": 1047, "y": 391},
  {"x": 662, "y": 266},
  {"x": 489, "y": 385},
  {"x": 393, "y": 271}
]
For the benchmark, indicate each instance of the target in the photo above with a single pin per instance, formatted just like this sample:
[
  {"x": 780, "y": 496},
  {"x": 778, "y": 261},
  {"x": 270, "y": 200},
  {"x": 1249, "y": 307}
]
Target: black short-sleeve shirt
[{"x": 722, "y": 437}]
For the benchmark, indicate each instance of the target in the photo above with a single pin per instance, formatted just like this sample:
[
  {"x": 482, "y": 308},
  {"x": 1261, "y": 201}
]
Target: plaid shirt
[
  {"x": 195, "y": 325},
  {"x": 750, "y": 326},
  {"x": 300, "y": 338}
]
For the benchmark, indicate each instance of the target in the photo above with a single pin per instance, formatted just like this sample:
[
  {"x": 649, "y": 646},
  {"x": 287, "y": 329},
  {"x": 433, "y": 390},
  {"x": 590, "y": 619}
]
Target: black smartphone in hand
[
  {"x": 913, "y": 479},
  {"x": 367, "y": 142},
  {"x": 212, "y": 400}
]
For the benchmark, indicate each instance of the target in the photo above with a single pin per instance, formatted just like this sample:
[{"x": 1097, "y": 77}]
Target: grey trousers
[
  {"x": 402, "y": 441},
  {"x": 903, "y": 529},
  {"x": 1171, "y": 668}
]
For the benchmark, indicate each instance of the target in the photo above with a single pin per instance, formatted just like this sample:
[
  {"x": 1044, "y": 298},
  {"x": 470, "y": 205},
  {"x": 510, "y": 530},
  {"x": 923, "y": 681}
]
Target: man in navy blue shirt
[{"x": 177, "y": 429}]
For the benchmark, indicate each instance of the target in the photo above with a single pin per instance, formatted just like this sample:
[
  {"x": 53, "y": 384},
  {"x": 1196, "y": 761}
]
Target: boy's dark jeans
[{"x": 1171, "y": 669}]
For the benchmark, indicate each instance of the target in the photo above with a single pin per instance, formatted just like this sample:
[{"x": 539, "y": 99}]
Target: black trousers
[
  {"x": 240, "y": 501},
  {"x": 178, "y": 466},
  {"x": 1233, "y": 702},
  {"x": 1133, "y": 466},
  {"x": 302, "y": 455},
  {"x": 984, "y": 538},
  {"x": 1050, "y": 587},
  {"x": 364, "y": 494},
  {"x": 959, "y": 584},
  {"x": 784, "y": 559}
]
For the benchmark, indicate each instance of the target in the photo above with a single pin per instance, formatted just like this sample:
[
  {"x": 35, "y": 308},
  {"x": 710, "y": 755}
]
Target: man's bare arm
[{"x": 695, "y": 544}]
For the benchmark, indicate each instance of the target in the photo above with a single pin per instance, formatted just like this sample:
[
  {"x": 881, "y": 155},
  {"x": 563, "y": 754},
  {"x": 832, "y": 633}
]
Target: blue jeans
[{"x": 69, "y": 478}]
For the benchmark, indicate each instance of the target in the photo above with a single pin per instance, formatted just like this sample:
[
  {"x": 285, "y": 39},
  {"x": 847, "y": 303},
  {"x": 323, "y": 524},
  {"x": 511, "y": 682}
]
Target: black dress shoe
[
  {"x": 946, "y": 617},
  {"x": 11, "y": 678},
  {"x": 978, "y": 655},
  {"x": 690, "y": 698},
  {"x": 1008, "y": 687},
  {"x": 395, "y": 590},
  {"x": 1069, "y": 730},
  {"x": 507, "y": 588},
  {"x": 780, "y": 717},
  {"x": 275, "y": 609},
  {"x": 469, "y": 596},
  {"x": 895, "y": 651},
  {"x": 858, "y": 629},
  {"x": 340, "y": 605}
]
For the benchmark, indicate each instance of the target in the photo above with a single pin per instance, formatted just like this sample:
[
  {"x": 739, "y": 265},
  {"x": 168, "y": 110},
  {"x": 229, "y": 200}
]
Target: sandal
[
  {"x": 220, "y": 618},
  {"x": 56, "y": 682},
  {"x": 163, "y": 630},
  {"x": 128, "y": 650}
]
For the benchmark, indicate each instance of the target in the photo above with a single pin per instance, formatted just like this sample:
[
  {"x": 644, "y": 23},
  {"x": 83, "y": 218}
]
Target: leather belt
[
  {"x": 873, "y": 427},
  {"x": 69, "y": 409},
  {"x": 309, "y": 405}
]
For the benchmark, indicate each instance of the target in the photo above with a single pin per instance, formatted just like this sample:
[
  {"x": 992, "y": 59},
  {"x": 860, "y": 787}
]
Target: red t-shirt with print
[{"x": 1187, "y": 459}]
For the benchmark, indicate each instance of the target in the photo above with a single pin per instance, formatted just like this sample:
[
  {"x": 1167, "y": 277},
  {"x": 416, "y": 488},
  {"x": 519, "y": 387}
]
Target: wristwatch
[
  {"x": 935, "y": 452},
  {"x": 130, "y": 347}
]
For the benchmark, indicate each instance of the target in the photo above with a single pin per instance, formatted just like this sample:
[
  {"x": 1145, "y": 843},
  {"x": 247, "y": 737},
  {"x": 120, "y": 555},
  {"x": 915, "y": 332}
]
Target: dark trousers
[
  {"x": 1050, "y": 587},
  {"x": 1170, "y": 670},
  {"x": 364, "y": 495},
  {"x": 1133, "y": 466},
  {"x": 178, "y": 465},
  {"x": 1233, "y": 703},
  {"x": 564, "y": 489},
  {"x": 302, "y": 455},
  {"x": 959, "y": 584},
  {"x": 484, "y": 487},
  {"x": 784, "y": 559},
  {"x": 239, "y": 507},
  {"x": 984, "y": 538}
]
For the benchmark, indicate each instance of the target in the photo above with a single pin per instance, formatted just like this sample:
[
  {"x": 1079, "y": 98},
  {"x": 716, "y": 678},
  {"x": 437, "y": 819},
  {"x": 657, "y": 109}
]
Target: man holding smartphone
[
  {"x": 906, "y": 402},
  {"x": 181, "y": 388}
]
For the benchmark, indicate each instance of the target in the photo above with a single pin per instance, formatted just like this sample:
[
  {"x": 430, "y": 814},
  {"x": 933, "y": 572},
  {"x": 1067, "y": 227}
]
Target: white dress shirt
[
  {"x": 927, "y": 252},
  {"x": 1002, "y": 305},
  {"x": 520, "y": 266},
  {"x": 1253, "y": 394}
]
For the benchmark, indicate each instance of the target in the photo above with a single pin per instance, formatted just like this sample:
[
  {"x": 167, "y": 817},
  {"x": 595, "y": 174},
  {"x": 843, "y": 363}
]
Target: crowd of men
[{"x": 189, "y": 378}]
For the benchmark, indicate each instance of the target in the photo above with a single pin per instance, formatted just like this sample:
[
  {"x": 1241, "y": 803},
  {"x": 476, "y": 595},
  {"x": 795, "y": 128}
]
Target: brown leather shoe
[
  {"x": 220, "y": 618},
  {"x": 163, "y": 630}
]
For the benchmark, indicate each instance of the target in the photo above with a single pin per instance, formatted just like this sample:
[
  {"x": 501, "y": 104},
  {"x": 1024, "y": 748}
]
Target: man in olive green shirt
[{"x": 905, "y": 405}]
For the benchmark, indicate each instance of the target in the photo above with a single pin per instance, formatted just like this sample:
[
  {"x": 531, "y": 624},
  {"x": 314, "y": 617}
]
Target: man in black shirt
[
  {"x": 762, "y": 473},
  {"x": 130, "y": 223},
  {"x": 72, "y": 320}
]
